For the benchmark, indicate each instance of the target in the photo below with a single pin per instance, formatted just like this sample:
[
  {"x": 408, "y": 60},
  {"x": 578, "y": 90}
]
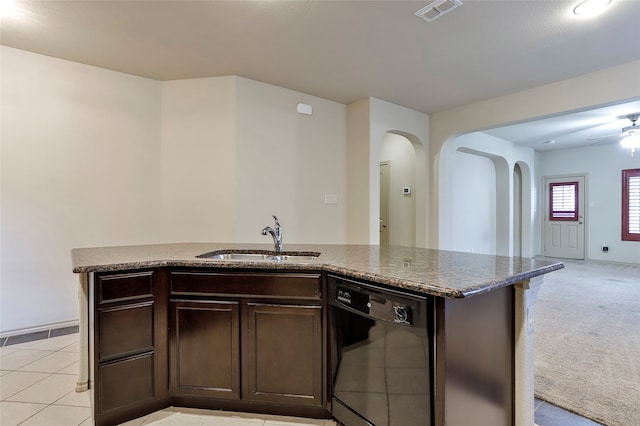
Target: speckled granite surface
[{"x": 437, "y": 272}]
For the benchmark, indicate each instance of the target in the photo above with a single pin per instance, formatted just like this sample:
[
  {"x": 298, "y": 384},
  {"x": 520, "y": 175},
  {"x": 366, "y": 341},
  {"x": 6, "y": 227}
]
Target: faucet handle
[{"x": 277, "y": 221}]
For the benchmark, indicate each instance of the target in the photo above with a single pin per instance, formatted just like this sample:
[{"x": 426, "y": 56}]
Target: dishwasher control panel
[{"x": 377, "y": 303}]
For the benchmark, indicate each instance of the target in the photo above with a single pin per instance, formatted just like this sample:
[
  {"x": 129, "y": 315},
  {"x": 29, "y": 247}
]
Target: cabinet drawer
[
  {"x": 125, "y": 382},
  {"x": 121, "y": 287},
  {"x": 264, "y": 285},
  {"x": 125, "y": 330}
]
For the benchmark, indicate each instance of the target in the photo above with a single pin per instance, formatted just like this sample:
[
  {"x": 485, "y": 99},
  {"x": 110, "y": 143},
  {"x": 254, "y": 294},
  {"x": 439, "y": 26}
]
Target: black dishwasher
[{"x": 381, "y": 355}]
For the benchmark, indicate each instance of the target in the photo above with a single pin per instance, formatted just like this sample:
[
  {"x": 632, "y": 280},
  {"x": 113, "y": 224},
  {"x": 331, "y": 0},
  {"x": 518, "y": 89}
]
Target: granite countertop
[{"x": 437, "y": 272}]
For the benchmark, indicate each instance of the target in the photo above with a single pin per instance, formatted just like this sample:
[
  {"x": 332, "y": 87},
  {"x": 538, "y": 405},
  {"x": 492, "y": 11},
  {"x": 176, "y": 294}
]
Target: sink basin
[
  {"x": 258, "y": 255},
  {"x": 293, "y": 257},
  {"x": 237, "y": 256}
]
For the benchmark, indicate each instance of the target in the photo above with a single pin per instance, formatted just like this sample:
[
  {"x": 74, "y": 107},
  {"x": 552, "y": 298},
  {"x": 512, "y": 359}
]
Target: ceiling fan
[{"x": 627, "y": 132}]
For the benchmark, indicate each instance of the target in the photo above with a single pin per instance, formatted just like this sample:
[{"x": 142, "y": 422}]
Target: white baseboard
[{"x": 45, "y": 327}]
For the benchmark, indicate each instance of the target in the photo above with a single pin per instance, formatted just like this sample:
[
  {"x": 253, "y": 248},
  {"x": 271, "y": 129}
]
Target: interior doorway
[
  {"x": 384, "y": 202},
  {"x": 517, "y": 211},
  {"x": 397, "y": 191}
]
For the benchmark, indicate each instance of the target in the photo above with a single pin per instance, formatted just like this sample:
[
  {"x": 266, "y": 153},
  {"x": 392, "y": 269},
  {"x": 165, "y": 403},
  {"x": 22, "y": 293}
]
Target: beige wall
[
  {"x": 604, "y": 87},
  {"x": 198, "y": 146},
  {"x": 286, "y": 164},
  {"x": 235, "y": 151},
  {"x": 358, "y": 176},
  {"x": 92, "y": 157},
  {"x": 80, "y": 167}
]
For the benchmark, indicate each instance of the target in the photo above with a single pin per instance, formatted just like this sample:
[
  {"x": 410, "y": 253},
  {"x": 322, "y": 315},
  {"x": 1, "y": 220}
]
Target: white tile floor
[
  {"x": 176, "y": 416},
  {"x": 37, "y": 388},
  {"x": 37, "y": 384}
]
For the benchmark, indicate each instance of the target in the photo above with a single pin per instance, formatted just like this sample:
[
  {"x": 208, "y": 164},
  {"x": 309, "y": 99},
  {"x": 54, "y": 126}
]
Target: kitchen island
[{"x": 164, "y": 288}]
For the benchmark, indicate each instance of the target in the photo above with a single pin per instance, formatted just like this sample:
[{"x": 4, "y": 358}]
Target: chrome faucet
[{"x": 275, "y": 234}]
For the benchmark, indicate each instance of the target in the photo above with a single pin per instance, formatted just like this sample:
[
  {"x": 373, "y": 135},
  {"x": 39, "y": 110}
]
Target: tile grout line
[
  {"x": 29, "y": 363},
  {"x": 23, "y": 389},
  {"x": 48, "y": 374},
  {"x": 45, "y": 406}
]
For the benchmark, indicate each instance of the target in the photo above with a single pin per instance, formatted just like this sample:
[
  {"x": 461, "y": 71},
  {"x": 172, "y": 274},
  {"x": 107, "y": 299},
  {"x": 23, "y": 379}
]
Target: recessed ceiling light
[{"x": 591, "y": 7}]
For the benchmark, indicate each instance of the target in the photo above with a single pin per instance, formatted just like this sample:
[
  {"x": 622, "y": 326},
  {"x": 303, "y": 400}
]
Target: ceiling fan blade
[
  {"x": 608, "y": 140},
  {"x": 614, "y": 135}
]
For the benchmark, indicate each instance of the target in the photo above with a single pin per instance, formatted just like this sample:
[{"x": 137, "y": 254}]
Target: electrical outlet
[{"x": 605, "y": 248}]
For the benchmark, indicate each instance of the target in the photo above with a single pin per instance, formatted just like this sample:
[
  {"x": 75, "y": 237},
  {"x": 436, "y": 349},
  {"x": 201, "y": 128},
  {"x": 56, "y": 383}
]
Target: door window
[{"x": 563, "y": 202}]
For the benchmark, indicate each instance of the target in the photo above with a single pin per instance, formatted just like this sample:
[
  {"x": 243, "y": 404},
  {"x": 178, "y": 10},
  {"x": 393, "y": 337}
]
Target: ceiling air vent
[{"x": 436, "y": 9}]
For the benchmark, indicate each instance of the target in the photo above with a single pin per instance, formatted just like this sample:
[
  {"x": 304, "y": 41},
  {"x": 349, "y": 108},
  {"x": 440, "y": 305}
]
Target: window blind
[
  {"x": 564, "y": 201},
  {"x": 634, "y": 205},
  {"x": 631, "y": 205}
]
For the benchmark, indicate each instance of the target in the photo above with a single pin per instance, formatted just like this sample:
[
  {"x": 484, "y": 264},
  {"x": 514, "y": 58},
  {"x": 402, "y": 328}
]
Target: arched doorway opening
[
  {"x": 398, "y": 190},
  {"x": 517, "y": 211},
  {"x": 485, "y": 199}
]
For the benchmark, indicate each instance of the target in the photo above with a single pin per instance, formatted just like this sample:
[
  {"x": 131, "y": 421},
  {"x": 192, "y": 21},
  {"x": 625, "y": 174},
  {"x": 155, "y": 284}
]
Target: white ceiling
[
  {"x": 348, "y": 50},
  {"x": 592, "y": 127}
]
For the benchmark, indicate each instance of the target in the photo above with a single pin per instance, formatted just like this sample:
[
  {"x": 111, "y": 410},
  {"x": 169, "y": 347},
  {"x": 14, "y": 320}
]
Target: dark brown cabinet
[
  {"x": 284, "y": 353},
  {"x": 129, "y": 344},
  {"x": 205, "y": 349},
  {"x": 250, "y": 337},
  {"x": 239, "y": 340}
]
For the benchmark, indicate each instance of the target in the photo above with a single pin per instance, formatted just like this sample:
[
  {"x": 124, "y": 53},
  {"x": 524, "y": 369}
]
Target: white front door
[{"x": 564, "y": 216}]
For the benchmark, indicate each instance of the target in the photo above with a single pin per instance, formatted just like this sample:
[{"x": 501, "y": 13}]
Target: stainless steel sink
[
  {"x": 294, "y": 257},
  {"x": 237, "y": 256},
  {"x": 256, "y": 255}
]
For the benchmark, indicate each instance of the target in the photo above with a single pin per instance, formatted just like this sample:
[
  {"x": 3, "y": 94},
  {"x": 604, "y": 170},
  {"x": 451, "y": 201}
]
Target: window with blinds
[
  {"x": 563, "y": 201},
  {"x": 631, "y": 205}
]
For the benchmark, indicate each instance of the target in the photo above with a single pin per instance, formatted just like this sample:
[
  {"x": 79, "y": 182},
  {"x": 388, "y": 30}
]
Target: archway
[
  {"x": 517, "y": 210},
  {"x": 398, "y": 190},
  {"x": 485, "y": 201}
]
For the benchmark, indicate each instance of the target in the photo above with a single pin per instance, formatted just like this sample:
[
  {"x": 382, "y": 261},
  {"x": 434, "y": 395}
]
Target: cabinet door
[
  {"x": 283, "y": 356},
  {"x": 205, "y": 349}
]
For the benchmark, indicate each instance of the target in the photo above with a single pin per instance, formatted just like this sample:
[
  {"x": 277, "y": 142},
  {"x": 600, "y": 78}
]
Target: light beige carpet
[{"x": 587, "y": 354}]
